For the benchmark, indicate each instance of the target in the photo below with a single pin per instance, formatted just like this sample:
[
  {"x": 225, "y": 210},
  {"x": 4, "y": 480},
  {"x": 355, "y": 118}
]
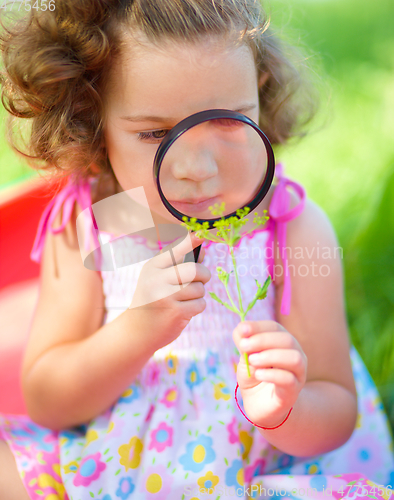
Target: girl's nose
[{"x": 196, "y": 165}]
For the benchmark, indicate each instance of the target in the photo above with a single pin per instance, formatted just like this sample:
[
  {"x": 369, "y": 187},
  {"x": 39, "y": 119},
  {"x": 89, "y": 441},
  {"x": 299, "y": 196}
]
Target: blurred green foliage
[
  {"x": 12, "y": 167},
  {"x": 346, "y": 163},
  {"x": 370, "y": 289}
]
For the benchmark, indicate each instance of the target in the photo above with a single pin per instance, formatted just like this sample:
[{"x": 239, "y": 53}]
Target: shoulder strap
[
  {"x": 72, "y": 192},
  {"x": 280, "y": 215}
]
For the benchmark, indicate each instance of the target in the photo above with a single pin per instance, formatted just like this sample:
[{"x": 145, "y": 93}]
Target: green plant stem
[
  {"x": 231, "y": 300},
  {"x": 251, "y": 305},
  {"x": 241, "y": 309},
  {"x": 242, "y": 313}
]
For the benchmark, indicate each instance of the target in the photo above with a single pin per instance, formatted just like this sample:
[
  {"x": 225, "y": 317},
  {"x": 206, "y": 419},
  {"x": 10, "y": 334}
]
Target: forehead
[{"x": 181, "y": 78}]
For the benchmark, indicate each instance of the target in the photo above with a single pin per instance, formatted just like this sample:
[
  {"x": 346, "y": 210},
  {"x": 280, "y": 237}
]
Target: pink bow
[
  {"x": 280, "y": 215},
  {"x": 71, "y": 193}
]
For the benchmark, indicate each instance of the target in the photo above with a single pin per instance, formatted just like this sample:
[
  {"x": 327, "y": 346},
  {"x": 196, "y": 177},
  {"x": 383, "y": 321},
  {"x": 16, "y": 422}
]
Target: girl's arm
[
  {"x": 325, "y": 412},
  {"x": 74, "y": 368}
]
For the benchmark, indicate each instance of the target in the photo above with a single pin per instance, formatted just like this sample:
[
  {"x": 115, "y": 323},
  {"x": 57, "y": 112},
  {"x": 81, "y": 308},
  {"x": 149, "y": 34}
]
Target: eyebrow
[{"x": 160, "y": 119}]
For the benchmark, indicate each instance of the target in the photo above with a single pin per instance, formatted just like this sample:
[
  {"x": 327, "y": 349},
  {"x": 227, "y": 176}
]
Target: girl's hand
[
  {"x": 169, "y": 293},
  {"x": 278, "y": 368}
]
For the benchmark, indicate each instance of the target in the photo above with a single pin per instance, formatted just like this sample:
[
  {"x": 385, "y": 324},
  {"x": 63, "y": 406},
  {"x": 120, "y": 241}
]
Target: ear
[{"x": 263, "y": 79}]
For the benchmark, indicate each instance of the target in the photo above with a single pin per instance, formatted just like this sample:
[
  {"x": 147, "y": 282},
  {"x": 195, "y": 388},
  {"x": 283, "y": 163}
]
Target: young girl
[{"x": 138, "y": 402}]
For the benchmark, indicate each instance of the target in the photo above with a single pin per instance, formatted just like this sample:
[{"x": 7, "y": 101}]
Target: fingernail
[{"x": 244, "y": 329}]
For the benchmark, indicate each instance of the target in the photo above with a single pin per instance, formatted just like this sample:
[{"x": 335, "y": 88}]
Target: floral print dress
[{"x": 176, "y": 432}]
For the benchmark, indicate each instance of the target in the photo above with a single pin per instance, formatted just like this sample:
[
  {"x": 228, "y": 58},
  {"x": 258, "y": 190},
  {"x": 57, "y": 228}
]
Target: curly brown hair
[{"x": 56, "y": 64}]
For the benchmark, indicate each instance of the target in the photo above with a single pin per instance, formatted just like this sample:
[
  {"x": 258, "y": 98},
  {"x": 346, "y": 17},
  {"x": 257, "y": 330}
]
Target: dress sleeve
[
  {"x": 72, "y": 192},
  {"x": 280, "y": 215}
]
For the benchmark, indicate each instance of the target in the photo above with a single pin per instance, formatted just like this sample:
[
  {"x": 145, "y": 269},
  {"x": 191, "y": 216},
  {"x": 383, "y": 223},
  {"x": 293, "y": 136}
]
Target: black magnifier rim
[{"x": 190, "y": 122}]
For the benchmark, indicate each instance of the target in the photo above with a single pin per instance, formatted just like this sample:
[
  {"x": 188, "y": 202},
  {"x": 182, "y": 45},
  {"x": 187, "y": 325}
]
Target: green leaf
[
  {"x": 262, "y": 290},
  {"x": 230, "y": 308},
  {"x": 260, "y": 294},
  {"x": 215, "y": 297},
  {"x": 267, "y": 283}
]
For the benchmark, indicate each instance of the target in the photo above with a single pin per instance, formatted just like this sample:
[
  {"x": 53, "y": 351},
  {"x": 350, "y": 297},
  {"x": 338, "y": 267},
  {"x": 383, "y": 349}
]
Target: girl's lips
[{"x": 193, "y": 208}]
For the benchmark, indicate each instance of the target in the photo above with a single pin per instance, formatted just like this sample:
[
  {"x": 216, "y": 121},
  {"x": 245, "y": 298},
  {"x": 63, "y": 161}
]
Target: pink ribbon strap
[
  {"x": 71, "y": 193},
  {"x": 280, "y": 215}
]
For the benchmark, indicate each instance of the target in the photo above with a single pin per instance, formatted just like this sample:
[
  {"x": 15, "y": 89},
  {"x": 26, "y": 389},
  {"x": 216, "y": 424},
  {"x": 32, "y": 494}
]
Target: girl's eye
[
  {"x": 154, "y": 136},
  {"x": 227, "y": 122}
]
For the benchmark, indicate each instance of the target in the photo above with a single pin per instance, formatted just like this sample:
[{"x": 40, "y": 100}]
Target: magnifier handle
[{"x": 193, "y": 255}]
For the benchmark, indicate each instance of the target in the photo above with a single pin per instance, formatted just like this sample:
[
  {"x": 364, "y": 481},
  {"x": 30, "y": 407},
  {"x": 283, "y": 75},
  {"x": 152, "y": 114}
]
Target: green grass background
[
  {"x": 346, "y": 163},
  {"x": 347, "y": 166}
]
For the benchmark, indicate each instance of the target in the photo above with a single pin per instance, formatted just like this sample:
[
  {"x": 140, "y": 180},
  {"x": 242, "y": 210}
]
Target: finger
[
  {"x": 189, "y": 271},
  {"x": 286, "y": 359},
  {"x": 190, "y": 292},
  {"x": 193, "y": 307},
  {"x": 282, "y": 378},
  {"x": 249, "y": 328},
  {"x": 183, "y": 248},
  {"x": 175, "y": 252},
  {"x": 262, "y": 341},
  {"x": 246, "y": 329},
  {"x": 202, "y": 255},
  {"x": 186, "y": 273}
]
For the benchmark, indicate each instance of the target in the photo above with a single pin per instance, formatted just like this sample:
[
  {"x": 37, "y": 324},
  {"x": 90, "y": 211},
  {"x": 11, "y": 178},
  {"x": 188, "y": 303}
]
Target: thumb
[
  {"x": 243, "y": 379},
  {"x": 175, "y": 252},
  {"x": 184, "y": 246}
]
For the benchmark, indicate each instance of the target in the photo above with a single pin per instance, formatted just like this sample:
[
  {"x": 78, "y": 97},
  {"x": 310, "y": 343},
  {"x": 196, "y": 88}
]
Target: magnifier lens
[{"x": 219, "y": 161}]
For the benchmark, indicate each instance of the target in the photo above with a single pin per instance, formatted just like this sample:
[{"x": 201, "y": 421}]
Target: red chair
[{"x": 20, "y": 209}]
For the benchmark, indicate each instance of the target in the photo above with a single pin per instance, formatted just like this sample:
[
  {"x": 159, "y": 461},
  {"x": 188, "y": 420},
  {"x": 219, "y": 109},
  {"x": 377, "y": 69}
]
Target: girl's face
[{"x": 152, "y": 89}]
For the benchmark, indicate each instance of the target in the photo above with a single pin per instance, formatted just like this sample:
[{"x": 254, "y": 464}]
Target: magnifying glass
[{"x": 213, "y": 157}]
